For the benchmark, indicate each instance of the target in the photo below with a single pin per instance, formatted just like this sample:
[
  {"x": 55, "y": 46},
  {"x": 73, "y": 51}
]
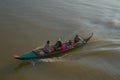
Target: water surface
[{"x": 25, "y": 25}]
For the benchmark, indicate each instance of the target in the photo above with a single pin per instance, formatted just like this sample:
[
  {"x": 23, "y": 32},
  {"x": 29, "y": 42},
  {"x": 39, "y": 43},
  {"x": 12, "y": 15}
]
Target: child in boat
[{"x": 71, "y": 42}]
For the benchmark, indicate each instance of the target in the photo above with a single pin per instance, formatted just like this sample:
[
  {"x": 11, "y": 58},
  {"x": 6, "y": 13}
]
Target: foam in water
[{"x": 55, "y": 59}]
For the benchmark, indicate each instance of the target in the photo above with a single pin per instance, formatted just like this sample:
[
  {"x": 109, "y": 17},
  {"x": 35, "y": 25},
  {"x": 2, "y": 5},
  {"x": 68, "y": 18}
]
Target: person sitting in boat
[
  {"x": 70, "y": 43},
  {"x": 58, "y": 45},
  {"x": 47, "y": 48},
  {"x": 76, "y": 39},
  {"x": 63, "y": 46}
]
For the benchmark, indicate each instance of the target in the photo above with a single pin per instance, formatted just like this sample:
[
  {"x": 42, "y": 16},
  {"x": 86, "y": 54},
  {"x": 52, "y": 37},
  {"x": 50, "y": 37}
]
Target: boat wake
[
  {"x": 55, "y": 59},
  {"x": 50, "y": 60},
  {"x": 35, "y": 62}
]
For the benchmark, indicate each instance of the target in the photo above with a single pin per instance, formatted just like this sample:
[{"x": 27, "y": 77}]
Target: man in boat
[
  {"x": 47, "y": 48},
  {"x": 76, "y": 39}
]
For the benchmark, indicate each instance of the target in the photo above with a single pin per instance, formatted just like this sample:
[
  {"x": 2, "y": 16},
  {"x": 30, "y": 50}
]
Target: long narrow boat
[{"x": 34, "y": 55}]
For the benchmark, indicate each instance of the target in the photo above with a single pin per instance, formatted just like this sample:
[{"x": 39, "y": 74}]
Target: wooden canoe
[{"x": 34, "y": 55}]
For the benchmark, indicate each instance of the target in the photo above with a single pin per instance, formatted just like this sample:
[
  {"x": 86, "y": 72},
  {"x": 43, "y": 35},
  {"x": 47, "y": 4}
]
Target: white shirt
[{"x": 47, "y": 48}]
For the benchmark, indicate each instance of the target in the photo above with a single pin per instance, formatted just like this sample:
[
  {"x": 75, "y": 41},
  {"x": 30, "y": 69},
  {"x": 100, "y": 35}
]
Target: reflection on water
[
  {"x": 20, "y": 65},
  {"x": 27, "y": 24}
]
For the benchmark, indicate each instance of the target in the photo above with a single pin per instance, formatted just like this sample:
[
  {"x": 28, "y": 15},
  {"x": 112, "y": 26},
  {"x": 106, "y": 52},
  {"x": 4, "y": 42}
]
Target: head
[
  {"x": 71, "y": 42},
  {"x": 48, "y": 42}
]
